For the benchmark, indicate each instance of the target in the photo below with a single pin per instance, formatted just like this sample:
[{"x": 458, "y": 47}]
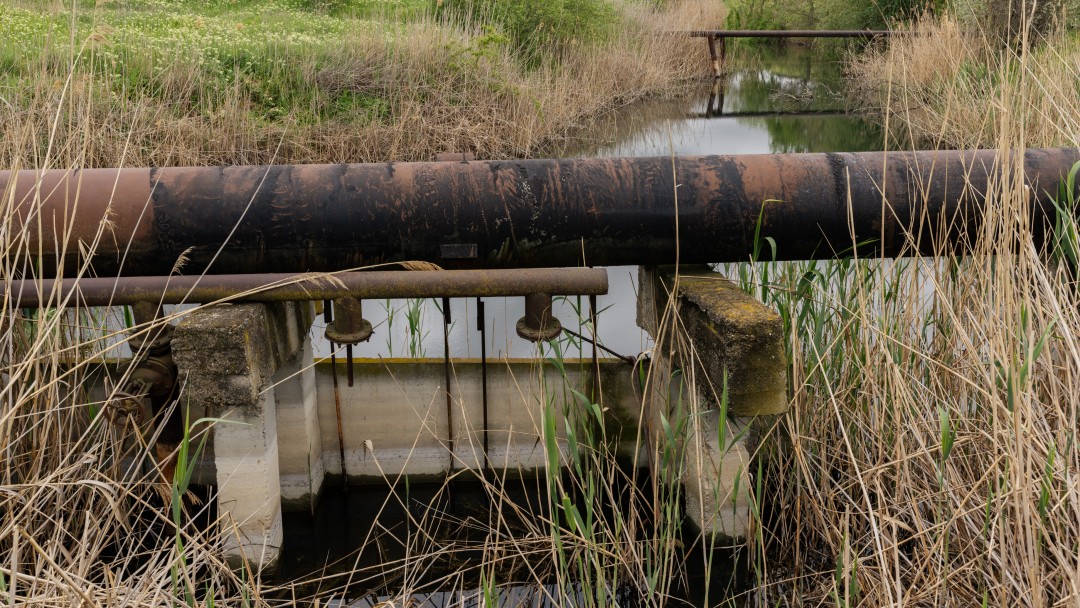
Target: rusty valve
[
  {"x": 152, "y": 383},
  {"x": 538, "y": 323},
  {"x": 348, "y": 326},
  {"x": 152, "y": 379}
]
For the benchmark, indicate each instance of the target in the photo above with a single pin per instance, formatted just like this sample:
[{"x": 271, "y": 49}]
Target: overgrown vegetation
[
  {"x": 86, "y": 516},
  {"x": 167, "y": 83},
  {"x": 998, "y": 18},
  {"x": 949, "y": 86},
  {"x": 930, "y": 455}
]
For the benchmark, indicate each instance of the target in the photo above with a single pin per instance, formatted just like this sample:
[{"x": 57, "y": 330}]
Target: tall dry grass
[
  {"x": 930, "y": 456},
  {"x": 87, "y": 516},
  {"x": 946, "y": 83}
]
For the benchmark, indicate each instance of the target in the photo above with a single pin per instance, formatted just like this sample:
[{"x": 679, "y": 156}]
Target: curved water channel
[{"x": 771, "y": 102}]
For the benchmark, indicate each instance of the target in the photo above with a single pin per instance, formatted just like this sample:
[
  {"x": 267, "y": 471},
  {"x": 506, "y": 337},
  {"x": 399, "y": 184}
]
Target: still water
[
  {"x": 774, "y": 102},
  {"x": 771, "y": 102}
]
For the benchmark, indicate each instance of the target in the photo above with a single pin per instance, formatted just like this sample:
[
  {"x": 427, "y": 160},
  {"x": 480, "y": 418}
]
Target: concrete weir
[{"x": 286, "y": 425}]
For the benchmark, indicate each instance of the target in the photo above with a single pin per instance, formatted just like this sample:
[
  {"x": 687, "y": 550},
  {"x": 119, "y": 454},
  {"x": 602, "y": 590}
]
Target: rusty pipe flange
[
  {"x": 538, "y": 323},
  {"x": 125, "y": 408},
  {"x": 349, "y": 325},
  {"x": 154, "y": 341}
]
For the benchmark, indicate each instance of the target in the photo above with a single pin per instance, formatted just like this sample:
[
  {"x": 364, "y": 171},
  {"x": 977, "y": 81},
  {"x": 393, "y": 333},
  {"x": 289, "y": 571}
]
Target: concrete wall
[{"x": 394, "y": 418}]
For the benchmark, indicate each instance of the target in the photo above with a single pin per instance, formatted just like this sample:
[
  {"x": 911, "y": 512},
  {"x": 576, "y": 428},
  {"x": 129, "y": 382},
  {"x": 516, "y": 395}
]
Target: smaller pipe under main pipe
[{"x": 284, "y": 287}]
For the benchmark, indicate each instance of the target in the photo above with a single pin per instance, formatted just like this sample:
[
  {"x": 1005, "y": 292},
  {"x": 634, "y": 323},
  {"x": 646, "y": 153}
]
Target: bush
[
  {"x": 826, "y": 14},
  {"x": 540, "y": 28}
]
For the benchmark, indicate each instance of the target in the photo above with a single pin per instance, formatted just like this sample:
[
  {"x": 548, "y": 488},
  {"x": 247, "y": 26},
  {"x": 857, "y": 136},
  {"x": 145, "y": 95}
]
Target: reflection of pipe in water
[
  {"x": 773, "y": 114},
  {"x": 715, "y": 106}
]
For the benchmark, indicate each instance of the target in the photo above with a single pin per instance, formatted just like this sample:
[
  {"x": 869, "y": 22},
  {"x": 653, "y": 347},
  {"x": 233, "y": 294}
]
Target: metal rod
[
  {"x": 349, "y": 363},
  {"x": 595, "y": 360},
  {"x": 446, "y": 367},
  {"x": 481, "y": 324},
  {"x": 293, "y": 287},
  {"x": 328, "y": 318},
  {"x": 518, "y": 213},
  {"x": 607, "y": 350}
]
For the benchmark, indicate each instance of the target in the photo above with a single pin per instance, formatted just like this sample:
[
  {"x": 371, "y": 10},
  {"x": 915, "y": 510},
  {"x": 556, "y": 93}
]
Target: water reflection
[{"x": 777, "y": 102}]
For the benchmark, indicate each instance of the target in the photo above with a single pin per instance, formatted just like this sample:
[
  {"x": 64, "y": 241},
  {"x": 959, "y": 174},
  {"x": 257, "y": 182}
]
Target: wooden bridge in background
[{"x": 719, "y": 58}]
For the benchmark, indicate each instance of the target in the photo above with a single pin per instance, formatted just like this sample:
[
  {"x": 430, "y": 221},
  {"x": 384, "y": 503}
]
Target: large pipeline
[{"x": 519, "y": 213}]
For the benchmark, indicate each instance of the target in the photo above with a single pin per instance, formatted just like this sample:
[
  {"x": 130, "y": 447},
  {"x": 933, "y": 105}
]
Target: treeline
[{"x": 1004, "y": 18}]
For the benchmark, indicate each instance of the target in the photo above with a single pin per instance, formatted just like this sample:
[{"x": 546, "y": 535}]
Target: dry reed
[
  {"x": 930, "y": 457},
  {"x": 86, "y": 516}
]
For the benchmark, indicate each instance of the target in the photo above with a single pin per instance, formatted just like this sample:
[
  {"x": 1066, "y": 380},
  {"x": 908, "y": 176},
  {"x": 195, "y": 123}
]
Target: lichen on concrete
[{"x": 728, "y": 331}]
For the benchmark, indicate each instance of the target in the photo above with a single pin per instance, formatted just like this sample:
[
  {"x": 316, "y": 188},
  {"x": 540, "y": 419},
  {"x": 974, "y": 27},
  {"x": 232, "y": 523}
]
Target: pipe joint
[{"x": 538, "y": 323}]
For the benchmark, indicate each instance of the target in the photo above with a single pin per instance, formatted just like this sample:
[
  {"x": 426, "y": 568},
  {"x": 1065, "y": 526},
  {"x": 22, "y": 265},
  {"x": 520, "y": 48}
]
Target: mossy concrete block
[
  {"x": 225, "y": 355},
  {"x": 724, "y": 329}
]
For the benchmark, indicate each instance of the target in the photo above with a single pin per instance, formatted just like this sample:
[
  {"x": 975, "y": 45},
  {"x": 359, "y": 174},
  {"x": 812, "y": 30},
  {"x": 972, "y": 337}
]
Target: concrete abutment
[{"x": 719, "y": 369}]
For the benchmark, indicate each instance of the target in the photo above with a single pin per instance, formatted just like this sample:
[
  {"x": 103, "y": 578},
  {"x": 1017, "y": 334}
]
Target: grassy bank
[
  {"x": 165, "y": 83},
  {"x": 945, "y": 84}
]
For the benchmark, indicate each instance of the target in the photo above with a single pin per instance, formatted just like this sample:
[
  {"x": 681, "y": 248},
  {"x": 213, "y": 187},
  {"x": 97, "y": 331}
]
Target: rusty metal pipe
[
  {"x": 520, "y": 213},
  {"x": 289, "y": 287},
  {"x": 714, "y": 60}
]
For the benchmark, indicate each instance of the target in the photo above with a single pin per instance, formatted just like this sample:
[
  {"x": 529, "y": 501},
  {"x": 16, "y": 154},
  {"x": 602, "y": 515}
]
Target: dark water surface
[{"x": 790, "y": 101}]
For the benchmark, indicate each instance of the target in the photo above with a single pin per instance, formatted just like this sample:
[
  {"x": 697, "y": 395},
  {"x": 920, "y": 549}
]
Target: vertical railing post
[{"x": 711, "y": 38}]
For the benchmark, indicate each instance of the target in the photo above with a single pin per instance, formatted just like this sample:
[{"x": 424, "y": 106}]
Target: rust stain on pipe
[
  {"x": 526, "y": 213},
  {"x": 72, "y": 206}
]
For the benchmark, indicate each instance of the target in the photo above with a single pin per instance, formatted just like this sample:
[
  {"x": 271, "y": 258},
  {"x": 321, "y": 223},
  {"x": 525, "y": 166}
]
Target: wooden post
[{"x": 712, "y": 54}]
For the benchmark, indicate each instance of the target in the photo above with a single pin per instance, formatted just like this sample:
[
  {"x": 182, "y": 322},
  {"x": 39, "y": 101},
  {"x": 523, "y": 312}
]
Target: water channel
[{"x": 790, "y": 101}]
